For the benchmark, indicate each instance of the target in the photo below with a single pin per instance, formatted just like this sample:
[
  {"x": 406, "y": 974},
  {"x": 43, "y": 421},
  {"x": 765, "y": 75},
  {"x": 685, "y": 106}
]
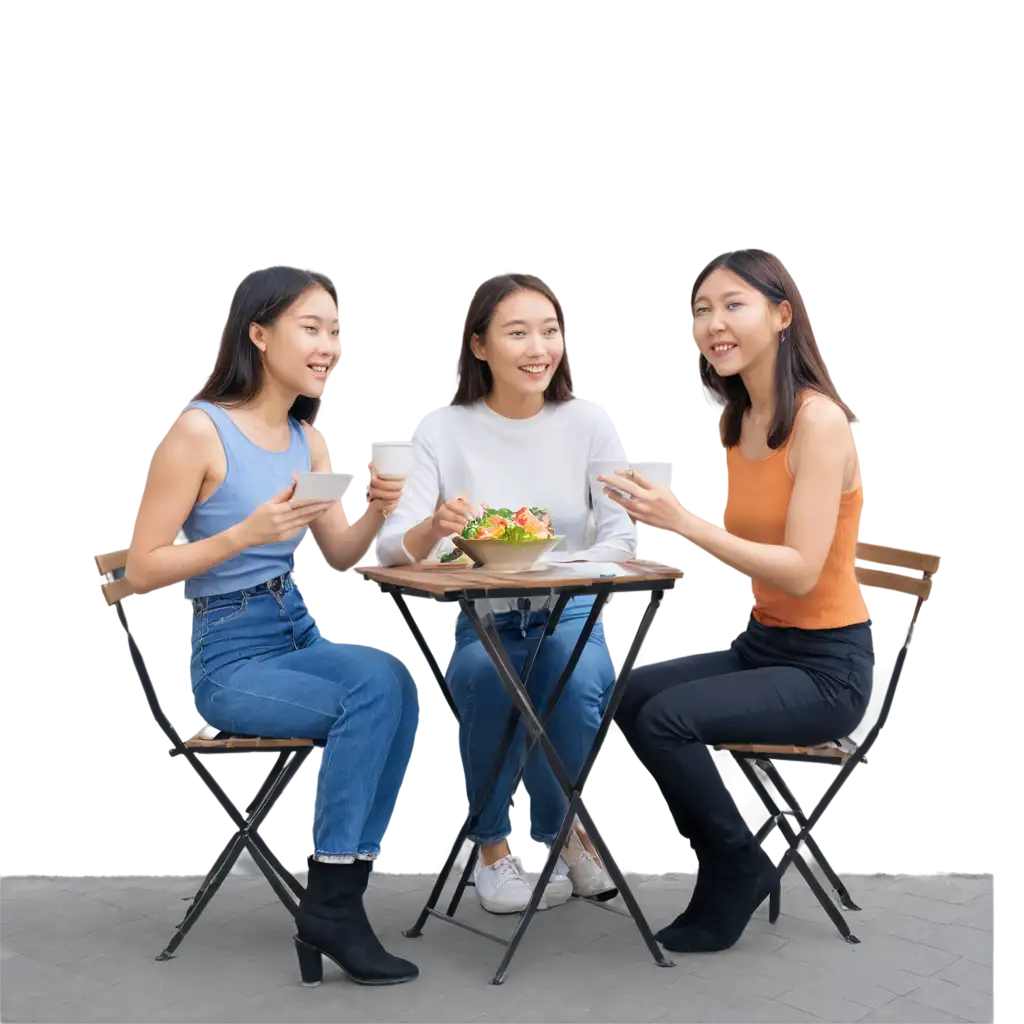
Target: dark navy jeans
[{"x": 776, "y": 685}]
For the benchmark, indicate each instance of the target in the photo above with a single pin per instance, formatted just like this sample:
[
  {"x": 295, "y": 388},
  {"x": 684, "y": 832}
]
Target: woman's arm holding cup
[{"x": 344, "y": 544}]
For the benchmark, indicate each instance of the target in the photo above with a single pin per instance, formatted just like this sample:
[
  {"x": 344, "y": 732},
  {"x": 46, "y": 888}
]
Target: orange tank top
[{"x": 759, "y": 495}]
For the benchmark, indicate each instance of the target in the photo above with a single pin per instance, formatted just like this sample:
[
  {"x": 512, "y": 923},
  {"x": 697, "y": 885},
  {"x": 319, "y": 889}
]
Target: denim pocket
[{"x": 223, "y": 611}]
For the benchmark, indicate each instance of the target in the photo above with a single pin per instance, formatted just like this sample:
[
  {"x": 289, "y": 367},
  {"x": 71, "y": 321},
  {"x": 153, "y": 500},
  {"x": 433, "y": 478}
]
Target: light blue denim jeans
[
  {"x": 261, "y": 668},
  {"x": 484, "y": 706}
]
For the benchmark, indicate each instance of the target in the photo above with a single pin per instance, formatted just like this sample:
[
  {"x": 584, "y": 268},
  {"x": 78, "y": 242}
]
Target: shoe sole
[
  {"x": 599, "y": 897},
  {"x": 352, "y": 977},
  {"x": 502, "y": 909}
]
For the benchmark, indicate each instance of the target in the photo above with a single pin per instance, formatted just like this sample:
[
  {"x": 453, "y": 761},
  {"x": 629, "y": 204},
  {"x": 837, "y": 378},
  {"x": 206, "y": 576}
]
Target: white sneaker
[
  {"x": 502, "y": 887},
  {"x": 586, "y": 873},
  {"x": 559, "y": 887}
]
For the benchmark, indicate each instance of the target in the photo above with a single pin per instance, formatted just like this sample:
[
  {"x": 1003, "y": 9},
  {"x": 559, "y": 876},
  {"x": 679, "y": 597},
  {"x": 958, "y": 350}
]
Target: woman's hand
[
  {"x": 452, "y": 516},
  {"x": 281, "y": 518},
  {"x": 383, "y": 495},
  {"x": 645, "y": 502}
]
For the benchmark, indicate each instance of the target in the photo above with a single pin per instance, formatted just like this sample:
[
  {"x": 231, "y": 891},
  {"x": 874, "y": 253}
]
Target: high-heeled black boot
[{"x": 332, "y": 922}]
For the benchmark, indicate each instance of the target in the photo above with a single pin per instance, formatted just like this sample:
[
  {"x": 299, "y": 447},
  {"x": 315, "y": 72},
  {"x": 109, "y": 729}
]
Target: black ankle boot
[
  {"x": 739, "y": 881},
  {"x": 332, "y": 922}
]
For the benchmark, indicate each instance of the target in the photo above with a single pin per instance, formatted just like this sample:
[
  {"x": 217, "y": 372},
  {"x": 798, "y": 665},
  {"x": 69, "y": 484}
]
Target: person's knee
[
  {"x": 630, "y": 708},
  {"x": 658, "y": 723},
  {"x": 392, "y": 683},
  {"x": 473, "y": 672},
  {"x": 633, "y": 699},
  {"x": 583, "y": 698},
  {"x": 407, "y": 691}
]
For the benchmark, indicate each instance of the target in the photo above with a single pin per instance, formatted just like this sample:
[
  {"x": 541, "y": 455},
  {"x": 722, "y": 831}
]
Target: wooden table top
[{"x": 449, "y": 582}]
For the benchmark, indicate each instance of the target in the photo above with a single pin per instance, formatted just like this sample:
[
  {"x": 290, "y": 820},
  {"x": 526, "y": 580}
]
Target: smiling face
[
  {"x": 523, "y": 345},
  {"x": 302, "y": 346},
  {"x": 735, "y": 325}
]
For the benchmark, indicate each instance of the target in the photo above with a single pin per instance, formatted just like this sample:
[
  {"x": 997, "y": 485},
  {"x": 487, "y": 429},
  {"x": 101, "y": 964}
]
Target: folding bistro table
[{"x": 558, "y": 583}]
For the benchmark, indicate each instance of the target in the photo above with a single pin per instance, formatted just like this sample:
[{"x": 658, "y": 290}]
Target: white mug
[
  {"x": 657, "y": 473},
  {"x": 393, "y": 459},
  {"x": 599, "y": 467},
  {"x": 653, "y": 472}
]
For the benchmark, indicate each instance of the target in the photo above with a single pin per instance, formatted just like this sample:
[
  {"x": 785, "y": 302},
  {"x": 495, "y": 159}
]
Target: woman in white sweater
[{"x": 514, "y": 435}]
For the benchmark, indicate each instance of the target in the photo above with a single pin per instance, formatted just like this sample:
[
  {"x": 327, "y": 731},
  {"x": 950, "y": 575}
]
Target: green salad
[{"x": 528, "y": 524}]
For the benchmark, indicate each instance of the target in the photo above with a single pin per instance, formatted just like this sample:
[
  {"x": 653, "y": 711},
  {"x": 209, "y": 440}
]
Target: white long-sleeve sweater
[{"x": 506, "y": 463}]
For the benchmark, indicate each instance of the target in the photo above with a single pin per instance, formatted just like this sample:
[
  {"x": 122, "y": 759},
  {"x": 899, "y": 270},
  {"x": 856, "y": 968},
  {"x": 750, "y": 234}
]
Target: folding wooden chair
[
  {"x": 843, "y": 754},
  {"x": 290, "y": 755}
]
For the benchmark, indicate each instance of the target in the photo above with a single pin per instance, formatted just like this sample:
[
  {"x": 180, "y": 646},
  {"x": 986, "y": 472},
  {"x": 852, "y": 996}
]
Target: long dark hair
[
  {"x": 798, "y": 366},
  {"x": 475, "y": 377},
  {"x": 260, "y": 299}
]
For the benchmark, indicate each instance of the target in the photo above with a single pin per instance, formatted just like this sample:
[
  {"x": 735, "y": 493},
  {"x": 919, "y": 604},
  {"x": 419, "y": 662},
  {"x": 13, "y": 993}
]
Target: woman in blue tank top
[{"x": 225, "y": 475}]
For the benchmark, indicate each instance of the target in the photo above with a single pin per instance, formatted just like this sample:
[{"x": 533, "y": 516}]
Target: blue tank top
[{"x": 254, "y": 475}]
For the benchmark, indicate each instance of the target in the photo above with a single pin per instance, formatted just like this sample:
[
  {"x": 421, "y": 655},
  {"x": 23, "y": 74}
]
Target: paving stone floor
[{"x": 82, "y": 949}]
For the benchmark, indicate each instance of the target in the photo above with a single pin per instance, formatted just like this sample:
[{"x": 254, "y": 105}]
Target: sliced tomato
[{"x": 532, "y": 524}]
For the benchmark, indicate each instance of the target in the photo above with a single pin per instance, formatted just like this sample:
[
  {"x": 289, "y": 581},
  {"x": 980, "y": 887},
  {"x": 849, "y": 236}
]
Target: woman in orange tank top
[{"x": 801, "y": 671}]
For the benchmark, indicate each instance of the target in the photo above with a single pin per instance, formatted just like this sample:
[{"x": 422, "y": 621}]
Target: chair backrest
[
  {"x": 920, "y": 587},
  {"x": 152, "y": 631},
  {"x": 151, "y": 634},
  {"x": 112, "y": 566},
  {"x": 897, "y": 583}
]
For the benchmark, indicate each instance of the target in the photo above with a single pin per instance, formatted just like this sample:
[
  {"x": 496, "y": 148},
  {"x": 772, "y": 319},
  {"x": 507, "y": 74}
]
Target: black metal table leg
[
  {"x": 467, "y": 874},
  {"x": 538, "y": 893},
  {"x": 535, "y": 723},
  {"x": 560, "y": 685},
  {"x": 573, "y": 788},
  {"x": 464, "y": 826},
  {"x": 511, "y": 724},
  {"x": 618, "y": 691}
]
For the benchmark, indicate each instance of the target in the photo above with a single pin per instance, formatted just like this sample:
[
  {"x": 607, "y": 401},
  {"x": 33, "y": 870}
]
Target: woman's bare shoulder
[
  {"x": 317, "y": 442},
  {"x": 187, "y": 434},
  {"x": 820, "y": 413}
]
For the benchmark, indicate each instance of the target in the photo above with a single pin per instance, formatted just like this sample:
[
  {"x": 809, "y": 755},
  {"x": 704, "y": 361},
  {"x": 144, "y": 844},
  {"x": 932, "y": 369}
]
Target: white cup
[
  {"x": 393, "y": 459},
  {"x": 599, "y": 467},
  {"x": 653, "y": 472},
  {"x": 657, "y": 473}
]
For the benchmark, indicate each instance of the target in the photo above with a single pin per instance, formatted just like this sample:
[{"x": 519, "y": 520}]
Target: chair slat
[
  {"x": 825, "y": 750},
  {"x": 110, "y": 562},
  {"x": 200, "y": 742},
  {"x": 907, "y": 589},
  {"x": 117, "y": 591}
]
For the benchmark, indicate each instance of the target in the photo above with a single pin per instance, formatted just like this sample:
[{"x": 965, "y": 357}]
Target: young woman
[
  {"x": 225, "y": 473},
  {"x": 514, "y": 435},
  {"x": 801, "y": 671}
]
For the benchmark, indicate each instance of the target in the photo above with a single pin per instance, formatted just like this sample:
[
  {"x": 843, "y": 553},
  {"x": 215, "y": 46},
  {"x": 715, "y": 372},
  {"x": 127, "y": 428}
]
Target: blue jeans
[
  {"x": 484, "y": 706},
  {"x": 261, "y": 668}
]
